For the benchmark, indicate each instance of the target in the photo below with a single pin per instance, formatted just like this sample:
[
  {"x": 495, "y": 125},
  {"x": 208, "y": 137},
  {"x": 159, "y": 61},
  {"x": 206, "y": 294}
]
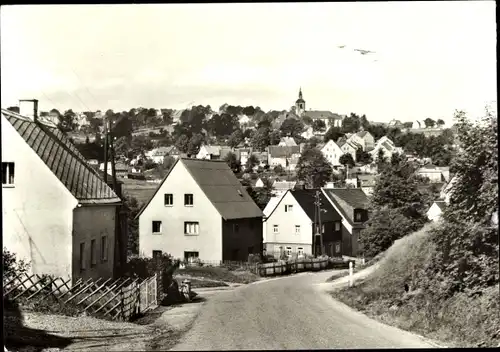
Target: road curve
[{"x": 288, "y": 313}]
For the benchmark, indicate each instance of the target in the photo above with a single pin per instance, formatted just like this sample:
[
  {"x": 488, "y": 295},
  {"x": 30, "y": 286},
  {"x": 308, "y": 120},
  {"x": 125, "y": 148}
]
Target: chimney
[{"x": 27, "y": 109}]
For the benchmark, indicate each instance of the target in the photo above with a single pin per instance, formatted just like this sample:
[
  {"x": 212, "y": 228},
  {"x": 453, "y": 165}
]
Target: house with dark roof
[
  {"x": 200, "y": 209},
  {"x": 58, "y": 214},
  {"x": 352, "y": 206},
  {"x": 213, "y": 152},
  {"x": 289, "y": 227},
  {"x": 435, "y": 210}
]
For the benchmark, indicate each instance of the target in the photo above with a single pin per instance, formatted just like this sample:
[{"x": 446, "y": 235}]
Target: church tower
[{"x": 300, "y": 104}]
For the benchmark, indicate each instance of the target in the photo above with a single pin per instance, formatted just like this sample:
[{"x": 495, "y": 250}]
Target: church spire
[{"x": 300, "y": 93}]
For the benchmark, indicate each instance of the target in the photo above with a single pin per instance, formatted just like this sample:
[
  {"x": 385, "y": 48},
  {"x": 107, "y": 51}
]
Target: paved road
[{"x": 288, "y": 313}]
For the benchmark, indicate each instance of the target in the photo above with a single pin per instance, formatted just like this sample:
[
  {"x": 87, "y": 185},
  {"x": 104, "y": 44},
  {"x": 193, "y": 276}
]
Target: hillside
[{"x": 464, "y": 320}]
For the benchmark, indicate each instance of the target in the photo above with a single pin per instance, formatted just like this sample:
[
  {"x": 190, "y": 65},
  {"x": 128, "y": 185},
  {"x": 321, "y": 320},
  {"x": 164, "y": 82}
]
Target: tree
[
  {"x": 291, "y": 127},
  {"x": 249, "y": 110},
  {"x": 260, "y": 140},
  {"x": 429, "y": 122},
  {"x": 195, "y": 143},
  {"x": 67, "y": 122},
  {"x": 440, "y": 123},
  {"x": 133, "y": 208},
  {"x": 252, "y": 161},
  {"x": 223, "y": 124},
  {"x": 233, "y": 162},
  {"x": 260, "y": 196},
  {"x": 333, "y": 133},
  {"x": 313, "y": 168},
  {"x": 351, "y": 124},
  {"x": 363, "y": 156},
  {"x": 235, "y": 138},
  {"x": 407, "y": 124},
  {"x": 182, "y": 143},
  {"x": 274, "y": 137},
  {"x": 279, "y": 170},
  {"x": 313, "y": 141},
  {"x": 347, "y": 160},
  {"x": 318, "y": 125},
  {"x": 307, "y": 120}
]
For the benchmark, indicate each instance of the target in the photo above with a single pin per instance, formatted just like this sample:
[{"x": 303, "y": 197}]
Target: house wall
[
  {"x": 433, "y": 177},
  {"x": 37, "y": 212},
  {"x": 91, "y": 223},
  {"x": 203, "y": 154},
  {"x": 238, "y": 243},
  {"x": 332, "y": 153},
  {"x": 172, "y": 240},
  {"x": 350, "y": 241},
  {"x": 277, "y": 161},
  {"x": 346, "y": 149},
  {"x": 286, "y": 222}
]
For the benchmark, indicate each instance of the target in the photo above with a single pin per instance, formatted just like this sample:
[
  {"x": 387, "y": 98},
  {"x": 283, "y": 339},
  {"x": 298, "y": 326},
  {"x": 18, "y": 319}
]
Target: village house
[
  {"x": 259, "y": 183},
  {"x": 332, "y": 152},
  {"x": 352, "y": 206},
  {"x": 120, "y": 168},
  {"x": 279, "y": 155},
  {"x": 436, "y": 209},
  {"x": 434, "y": 173},
  {"x": 57, "y": 213},
  {"x": 242, "y": 154},
  {"x": 388, "y": 148},
  {"x": 287, "y": 142},
  {"x": 280, "y": 187},
  {"x": 364, "y": 139},
  {"x": 158, "y": 154},
  {"x": 200, "y": 209},
  {"x": 367, "y": 183},
  {"x": 213, "y": 152},
  {"x": 289, "y": 227},
  {"x": 349, "y": 147}
]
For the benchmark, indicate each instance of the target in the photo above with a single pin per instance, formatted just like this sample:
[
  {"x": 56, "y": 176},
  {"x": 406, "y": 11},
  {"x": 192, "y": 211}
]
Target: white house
[
  {"x": 57, "y": 213},
  {"x": 280, "y": 187},
  {"x": 200, "y": 209},
  {"x": 332, "y": 153},
  {"x": 158, "y": 154},
  {"x": 434, "y": 173},
  {"x": 213, "y": 152},
  {"x": 364, "y": 139},
  {"x": 287, "y": 157},
  {"x": 349, "y": 147},
  {"x": 435, "y": 211},
  {"x": 259, "y": 183},
  {"x": 288, "y": 229},
  {"x": 388, "y": 148}
]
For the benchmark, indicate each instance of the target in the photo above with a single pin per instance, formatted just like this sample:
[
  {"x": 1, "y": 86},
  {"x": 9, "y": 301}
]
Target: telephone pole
[
  {"x": 105, "y": 149},
  {"x": 319, "y": 225}
]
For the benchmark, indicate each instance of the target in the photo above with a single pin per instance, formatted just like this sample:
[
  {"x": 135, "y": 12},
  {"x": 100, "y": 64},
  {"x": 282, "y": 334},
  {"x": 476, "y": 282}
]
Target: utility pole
[
  {"x": 105, "y": 149},
  {"x": 315, "y": 230},
  {"x": 319, "y": 225}
]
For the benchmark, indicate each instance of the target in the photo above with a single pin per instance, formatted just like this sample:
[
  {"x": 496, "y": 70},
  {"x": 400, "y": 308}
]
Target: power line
[{"x": 86, "y": 88}]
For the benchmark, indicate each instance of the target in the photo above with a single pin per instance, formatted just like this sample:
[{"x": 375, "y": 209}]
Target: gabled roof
[
  {"x": 63, "y": 159},
  {"x": 282, "y": 185},
  {"x": 441, "y": 204},
  {"x": 306, "y": 199},
  {"x": 362, "y": 133},
  {"x": 272, "y": 204},
  {"x": 221, "y": 187},
  {"x": 277, "y": 151},
  {"x": 346, "y": 200},
  {"x": 289, "y": 141}
]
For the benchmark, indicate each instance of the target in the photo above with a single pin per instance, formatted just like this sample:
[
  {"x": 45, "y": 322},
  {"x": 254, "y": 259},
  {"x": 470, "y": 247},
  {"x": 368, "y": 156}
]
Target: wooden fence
[{"x": 118, "y": 299}]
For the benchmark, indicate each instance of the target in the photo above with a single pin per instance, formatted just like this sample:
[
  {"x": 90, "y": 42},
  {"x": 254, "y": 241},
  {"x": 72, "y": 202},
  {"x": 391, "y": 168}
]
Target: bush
[
  {"x": 13, "y": 266},
  {"x": 146, "y": 267}
]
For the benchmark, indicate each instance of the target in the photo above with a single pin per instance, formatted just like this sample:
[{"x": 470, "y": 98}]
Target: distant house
[
  {"x": 349, "y": 147},
  {"x": 290, "y": 226},
  {"x": 213, "y": 152},
  {"x": 262, "y": 157},
  {"x": 436, "y": 209},
  {"x": 366, "y": 183},
  {"x": 242, "y": 154},
  {"x": 387, "y": 146},
  {"x": 434, "y": 173},
  {"x": 57, "y": 213},
  {"x": 279, "y": 155},
  {"x": 332, "y": 152},
  {"x": 280, "y": 187},
  {"x": 368, "y": 169},
  {"x": 287, "y": 142},
  {"x": 120, "y": 168},
  {"x": 364, "y": 139},
  {"x": 352, "y": 205},
  {"x": 158, "y": 154},
  {"x": 200, "y": 209},
  {"x": 418, "y": 124},
  {"x": 396, "y": 124},
  {"x": 329, "y": 118},
  {"x": 259, "y": 183},
  {"x": 308, "y": 133}
]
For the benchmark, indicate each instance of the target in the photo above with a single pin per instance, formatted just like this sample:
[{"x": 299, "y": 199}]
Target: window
[
  {"x": 189, "y": 255},
  {"x": 156, "y": 226},
  {"x": 188, "y": 200},
  {"x": 169, "y": 199},
  {"x": 297, "y": 228},
  {"x": 358, "y": 216},
  {"x": 236, "y": 228},
  {"x": 337, "y": 226},
  {"x": 157, "y": 255},
  {"x": 323, "y": 228},
  {"x": 82, "y": 256},
  {"x": 7, "y": 174},
  {"x": 191, "y": 228},
  {"x": 300, "y": 251},
  {"x": 276, "y": 229},
  {"x": 288, "y": 251},
  {"x": 104, "y": 248},
  {"x": 288, "y": 208},
  {"x": 337, "y": 247},
  {"x": 93, "y": 257}
]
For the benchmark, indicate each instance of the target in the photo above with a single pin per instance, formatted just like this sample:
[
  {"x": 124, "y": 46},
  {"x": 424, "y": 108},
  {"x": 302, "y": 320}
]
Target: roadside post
[{"x": 350, "y": 274}]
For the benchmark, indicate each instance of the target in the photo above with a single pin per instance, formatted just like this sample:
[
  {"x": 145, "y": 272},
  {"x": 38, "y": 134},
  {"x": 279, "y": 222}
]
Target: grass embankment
[
  {"x": 205, "y": 276},
  {"x": 461, "y": 321}
]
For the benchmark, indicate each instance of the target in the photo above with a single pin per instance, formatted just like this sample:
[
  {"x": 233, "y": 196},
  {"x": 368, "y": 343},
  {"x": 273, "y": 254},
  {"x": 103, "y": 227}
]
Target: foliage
[
  {"x": 195, "y": 143},
  {"x": 235, "y": 138},
  {"x": 440, "y": 122},
  {"x": 223, "y": 124},
  {"x": 182, "y": 143},
  {"x": 260, "y": 140},
  {"x": 233, "y": 162},
  {"x": 13, "y": 266},
  {"x": 313, "y": 168},
  {"x": 92, "y": 150},
  {"x": 260, "y": 196},
  {"x": 144, "y": 268},
  {"x": 429, "y": 122},
  {"x": 252, "y": 161},
  {"x": 67, "y": 122},
  {"x": 291, "y": 128},
  {"x": 353, "y": 123},
  {"x": 346, "y": 159},
  {"x": 133, "y": 208},
  {"x": 363, "y": 156},
  {"x": 333, "y": 133},
  {"x": 279, "y": 170},
  {"x": 318, "y": 125}
]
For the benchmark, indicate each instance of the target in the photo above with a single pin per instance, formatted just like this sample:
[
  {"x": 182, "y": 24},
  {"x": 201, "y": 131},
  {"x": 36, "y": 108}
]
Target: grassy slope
[
  {"x": 460, "y": 321},
  {"x": 218, "y": 274}
]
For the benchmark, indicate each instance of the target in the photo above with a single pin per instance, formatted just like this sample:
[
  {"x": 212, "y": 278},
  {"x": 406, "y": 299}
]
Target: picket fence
[{"x": 119, "y": 299}]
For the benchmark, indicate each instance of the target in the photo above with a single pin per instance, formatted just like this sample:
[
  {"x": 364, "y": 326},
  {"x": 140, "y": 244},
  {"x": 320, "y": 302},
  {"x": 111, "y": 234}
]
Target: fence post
[{"x": 350, "y": 274}]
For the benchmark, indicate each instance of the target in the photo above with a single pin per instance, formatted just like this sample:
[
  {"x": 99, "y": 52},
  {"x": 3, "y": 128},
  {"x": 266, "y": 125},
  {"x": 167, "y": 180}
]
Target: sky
[{"x": 430, "y": 58}]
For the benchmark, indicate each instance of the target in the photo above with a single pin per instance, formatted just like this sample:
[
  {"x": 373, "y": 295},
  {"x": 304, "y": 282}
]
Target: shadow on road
[{"x": 18, "y": 336}]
